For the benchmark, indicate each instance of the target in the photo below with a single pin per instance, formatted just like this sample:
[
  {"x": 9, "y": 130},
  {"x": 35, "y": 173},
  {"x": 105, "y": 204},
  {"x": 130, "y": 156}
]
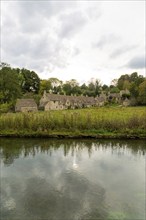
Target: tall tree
[
  {"x": 9, "y": 85},
  {"x": 31, "y": 81},
  {"x": 142, "y": 92},
  {"x": 56, "y": 85},
  {"x": 45, "y": 85},
  {"x": 94, "y": 87},
  {"x": 72, "y": 87}
]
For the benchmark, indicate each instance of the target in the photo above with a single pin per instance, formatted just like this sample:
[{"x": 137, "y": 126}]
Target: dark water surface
[{"x": 72, "y": 179}]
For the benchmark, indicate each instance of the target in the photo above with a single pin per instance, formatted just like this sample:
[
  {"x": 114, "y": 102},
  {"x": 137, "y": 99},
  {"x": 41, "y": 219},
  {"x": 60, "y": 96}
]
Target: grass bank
[{"x": 103, "y": 122}]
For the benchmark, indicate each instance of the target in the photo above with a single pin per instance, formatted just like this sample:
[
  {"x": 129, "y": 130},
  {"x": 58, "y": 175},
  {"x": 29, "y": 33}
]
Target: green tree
[
  {"x": 67, "y": 88},
  {"x": 10, "y": 88},
  {"x": 114, "y": 89},
  {"x": 94, "y": 87},
  {"x": 142, "y": 92},
  {"x": 45, "y": 85},
  {"x": 134, "y": 90},
  {"x": 72, "y": 87},
  {"x": 31, "y": 81},
  {"x": 56, "y": 84},
  {"x": 121, "y": 81}
]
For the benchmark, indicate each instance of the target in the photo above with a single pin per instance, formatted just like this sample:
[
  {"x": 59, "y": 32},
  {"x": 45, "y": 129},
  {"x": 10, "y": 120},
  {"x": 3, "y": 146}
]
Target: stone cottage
[{"x": 25, "y": 105}]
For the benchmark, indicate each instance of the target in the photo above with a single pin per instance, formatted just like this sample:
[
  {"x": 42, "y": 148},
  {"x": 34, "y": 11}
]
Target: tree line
[{"x": 23, "y": 83}]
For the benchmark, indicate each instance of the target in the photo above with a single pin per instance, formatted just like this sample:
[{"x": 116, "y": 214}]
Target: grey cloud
[
  {"x": 33, "y": 16},
  {"x": 46, "y": 8},
  {"x": 37, "y": 33},
  {"x": 31, "y": 39},
  {"x": 71, "y": 24},
  {"x": 106, "y": 40},
  {"x": 76, "y": 51},
  {"x": 16, "y": 45},
  {"x": 137, "y": 62},
  {"x": 122, "y": 50}
]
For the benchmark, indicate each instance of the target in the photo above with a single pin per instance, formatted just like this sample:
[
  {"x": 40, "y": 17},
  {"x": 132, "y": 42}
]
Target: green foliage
[
  {"x": 142, "y": 93},
  {"x": 5, "y": 107},
  {"x": 105, "y": 88},
  {"x": 132, "y": 83},
  {"x": 125, "y": 95},
  {"x": 94, "y": 87},
  {"x": 45, "y": 85},
  {"x": 14, "y": 83},
  {"x": 31, "y": 81},
  {"x": 114, "y": 89},
  {"x": 10, "y": 88}
]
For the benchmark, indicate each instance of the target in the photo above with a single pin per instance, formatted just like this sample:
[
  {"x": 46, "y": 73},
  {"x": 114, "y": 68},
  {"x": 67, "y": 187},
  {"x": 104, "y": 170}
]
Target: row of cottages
[{"x": 57, "y": 102}]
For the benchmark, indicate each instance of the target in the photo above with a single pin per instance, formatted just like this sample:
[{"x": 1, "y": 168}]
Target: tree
[
  {"x": 72, "y": 87},
  {"x": 10, "y": 88},
  {"x": 121, "y": 80},
  {"x": 31, "y": 81},
  {"x": 67, "y": 88},
  {"x": 142, "y": 92},
  {"x": 114, "y": 89},
  {"x": 56, "y": 85},
  {"x": 94, "y": 87},
  {"x": 105, "y": 89},
  {"x": 45, "y": 85},
  {"x": 126, "y": 85},
  {"x": 114, "y": 82},
  {"x": 134, "y": 90}
]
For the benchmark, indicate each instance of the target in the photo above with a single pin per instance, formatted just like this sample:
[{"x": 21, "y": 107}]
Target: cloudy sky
[{"x": 74, "y": 39}]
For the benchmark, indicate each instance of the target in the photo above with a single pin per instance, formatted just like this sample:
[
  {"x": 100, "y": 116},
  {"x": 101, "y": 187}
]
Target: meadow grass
[{"x": 90, "y": 121}]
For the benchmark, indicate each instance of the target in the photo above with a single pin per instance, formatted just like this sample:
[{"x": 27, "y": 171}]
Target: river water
[{"x": 44, "y": 179}]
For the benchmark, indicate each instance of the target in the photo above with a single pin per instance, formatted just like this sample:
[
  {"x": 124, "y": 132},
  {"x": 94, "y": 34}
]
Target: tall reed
[{"x": 108, "y": 119}]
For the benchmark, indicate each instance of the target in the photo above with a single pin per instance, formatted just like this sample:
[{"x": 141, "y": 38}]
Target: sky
[{"x": 74, "y": 39}]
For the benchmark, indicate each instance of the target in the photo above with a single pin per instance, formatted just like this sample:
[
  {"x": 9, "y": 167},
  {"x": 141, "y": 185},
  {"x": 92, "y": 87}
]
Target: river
[{"x": 43, "y": 179}]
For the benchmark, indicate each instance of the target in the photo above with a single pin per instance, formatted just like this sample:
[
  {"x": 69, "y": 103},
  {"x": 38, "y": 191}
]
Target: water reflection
[
  {"x": 72, "y": 179},
  {"x": 9, "y": 151}
]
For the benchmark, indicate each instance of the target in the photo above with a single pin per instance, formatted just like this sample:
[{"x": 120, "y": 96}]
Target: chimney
[{"x": 44, "y": 95}]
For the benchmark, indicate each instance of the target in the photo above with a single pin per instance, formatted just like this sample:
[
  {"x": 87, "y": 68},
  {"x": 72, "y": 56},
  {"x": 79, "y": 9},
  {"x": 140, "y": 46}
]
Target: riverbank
[
  {"x": 75, "y": 135},
  {"x": 104, "y": 122}
]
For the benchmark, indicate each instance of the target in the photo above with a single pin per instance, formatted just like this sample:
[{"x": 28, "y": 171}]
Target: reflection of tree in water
[
  {"x": 10, "y": 149},
  {"x": 73, "y": 197}
]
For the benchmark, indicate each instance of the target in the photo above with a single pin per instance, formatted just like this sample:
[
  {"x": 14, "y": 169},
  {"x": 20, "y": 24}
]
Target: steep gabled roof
[{"x": 26, "y": 103}]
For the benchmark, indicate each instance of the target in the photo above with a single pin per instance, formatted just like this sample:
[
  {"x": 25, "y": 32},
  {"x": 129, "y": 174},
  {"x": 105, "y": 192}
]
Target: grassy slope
[{"x": 103, "y": 122}]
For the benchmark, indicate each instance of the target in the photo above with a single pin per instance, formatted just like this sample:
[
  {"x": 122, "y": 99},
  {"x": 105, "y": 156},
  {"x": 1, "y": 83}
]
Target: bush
[{"x": 4, "y": 108}]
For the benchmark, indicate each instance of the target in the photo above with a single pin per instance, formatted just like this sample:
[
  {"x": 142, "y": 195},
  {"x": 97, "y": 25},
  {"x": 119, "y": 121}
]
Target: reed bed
[{"x": 103, "y": 119}]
